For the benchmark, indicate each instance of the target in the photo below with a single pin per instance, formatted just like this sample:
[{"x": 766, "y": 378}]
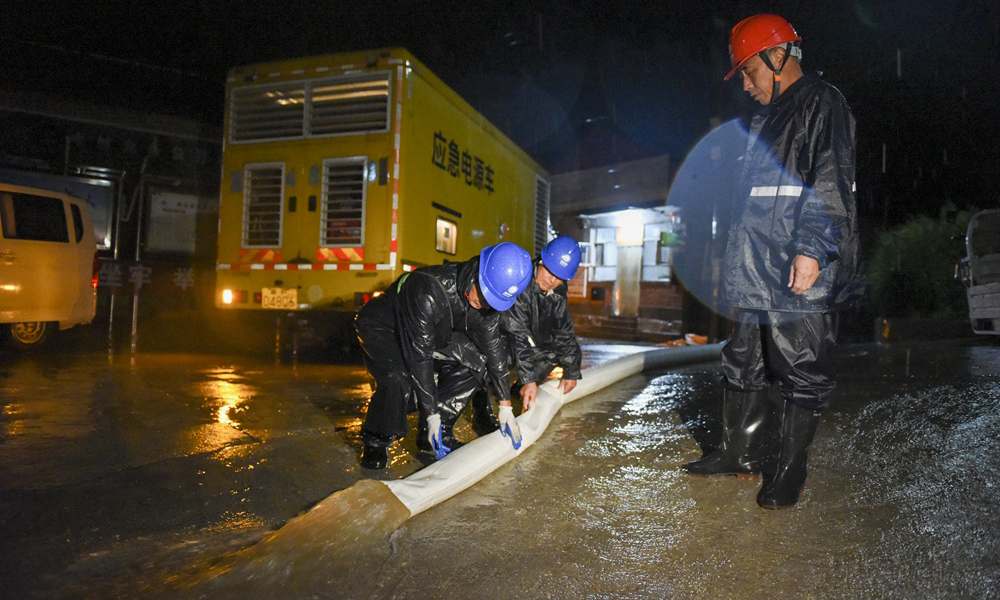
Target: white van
[
  {"x": 48, "y": 264},
  {"x": 980, "y": 271}
]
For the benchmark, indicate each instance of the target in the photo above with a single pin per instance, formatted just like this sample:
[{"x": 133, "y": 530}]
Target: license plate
[{"x": 279, "y": 298}]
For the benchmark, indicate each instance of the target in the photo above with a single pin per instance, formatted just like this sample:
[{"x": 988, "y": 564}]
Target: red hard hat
[{"x": 756, "y": 34}]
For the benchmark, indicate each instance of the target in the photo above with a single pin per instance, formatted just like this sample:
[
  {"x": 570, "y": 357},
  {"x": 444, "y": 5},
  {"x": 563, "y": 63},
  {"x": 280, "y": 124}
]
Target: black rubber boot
[
  {"x": 746, "y": 417},
  {"x": 484, "y": 421},
  {"x": 375, "y": 453},
  {"x": 798, "y": 427}
]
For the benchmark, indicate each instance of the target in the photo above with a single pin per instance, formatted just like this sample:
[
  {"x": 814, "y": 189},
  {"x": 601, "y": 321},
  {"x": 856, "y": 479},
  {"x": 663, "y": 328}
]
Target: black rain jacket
[
  {"x": 426, "y": 306},
  {"x": 541, "y": 321},
  {"x": 797, "y": 196}
]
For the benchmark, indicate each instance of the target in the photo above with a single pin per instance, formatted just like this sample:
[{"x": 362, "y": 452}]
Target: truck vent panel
[
  {"x": 262, "y": 206},
  {"x": 262, "y": 113},
  {"x": 345, "y": 105},
  {"x": 357, "y": 105},
  {"x": 343, "y": 216}
]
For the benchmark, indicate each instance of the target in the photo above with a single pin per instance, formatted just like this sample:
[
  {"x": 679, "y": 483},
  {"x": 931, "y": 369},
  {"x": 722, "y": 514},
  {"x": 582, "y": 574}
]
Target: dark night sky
[{"x": 556, "y": 74}]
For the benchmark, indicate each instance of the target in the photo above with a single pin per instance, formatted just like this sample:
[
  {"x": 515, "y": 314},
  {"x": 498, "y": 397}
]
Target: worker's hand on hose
[
  {"x": 509, "y": 426},
  {"x": 529, "y": 392},
  {"x": 567, "y": 385},
  {"x": 434, "y": 436}
]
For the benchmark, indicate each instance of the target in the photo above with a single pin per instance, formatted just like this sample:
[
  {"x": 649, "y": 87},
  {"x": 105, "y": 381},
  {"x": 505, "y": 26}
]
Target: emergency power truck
[{"x": 341, "y": 172}]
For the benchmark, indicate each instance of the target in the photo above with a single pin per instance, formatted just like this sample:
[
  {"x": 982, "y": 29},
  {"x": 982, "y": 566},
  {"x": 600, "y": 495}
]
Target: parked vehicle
[
  {"x": 341, "y": 172},
  {"x": 979, "y": 271},
  {"x": 48, "y": 264}
]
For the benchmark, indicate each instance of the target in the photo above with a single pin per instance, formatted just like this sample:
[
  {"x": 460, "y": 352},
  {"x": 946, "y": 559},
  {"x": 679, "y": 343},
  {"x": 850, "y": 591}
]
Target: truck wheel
[{"x": 31, "y": 335}]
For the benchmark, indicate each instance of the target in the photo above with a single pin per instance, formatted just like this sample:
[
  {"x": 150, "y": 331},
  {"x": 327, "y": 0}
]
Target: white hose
[{"x": 467, "y": 465}]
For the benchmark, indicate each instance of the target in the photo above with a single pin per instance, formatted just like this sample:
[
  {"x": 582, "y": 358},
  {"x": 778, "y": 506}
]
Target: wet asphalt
[{"x": 130, "y": 476}]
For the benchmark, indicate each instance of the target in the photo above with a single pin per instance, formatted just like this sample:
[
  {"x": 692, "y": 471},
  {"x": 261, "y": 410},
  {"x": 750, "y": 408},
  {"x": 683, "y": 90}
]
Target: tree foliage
[{"x": 912, "y": 271}]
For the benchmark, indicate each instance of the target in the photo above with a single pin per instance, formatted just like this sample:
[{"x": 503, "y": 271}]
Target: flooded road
[
  {"x": 134, "y": 480},
  {"x": 106, "y": 465},
  {"x": 901, "y": 501}
]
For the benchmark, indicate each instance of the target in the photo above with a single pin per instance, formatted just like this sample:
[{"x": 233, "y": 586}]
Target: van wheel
[{"x": 31, "y": 335}]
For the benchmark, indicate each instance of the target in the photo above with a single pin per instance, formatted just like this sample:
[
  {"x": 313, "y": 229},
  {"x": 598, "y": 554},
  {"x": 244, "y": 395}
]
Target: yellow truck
[{"x": 341, "y": 172}]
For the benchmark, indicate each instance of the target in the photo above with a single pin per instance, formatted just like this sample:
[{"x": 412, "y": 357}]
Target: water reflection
[{"x": 227, "y": 396}]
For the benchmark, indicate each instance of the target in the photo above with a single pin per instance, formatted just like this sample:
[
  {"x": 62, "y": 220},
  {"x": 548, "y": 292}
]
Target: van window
[
  {"x": 29, "y": 217},
  {"x": 985, "y": 235},
  {"x": 77, "y": 222}
]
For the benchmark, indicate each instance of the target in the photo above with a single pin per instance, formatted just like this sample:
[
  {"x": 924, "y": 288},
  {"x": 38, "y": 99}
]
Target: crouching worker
[
  {"x": 401, "y": 330},
  {"x": 538, "y": 328}
]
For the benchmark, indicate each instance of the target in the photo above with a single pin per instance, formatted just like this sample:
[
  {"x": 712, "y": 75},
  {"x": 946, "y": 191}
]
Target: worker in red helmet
[
  {"x": 790, "y": 262},
  {"x": 759, "y": 37}
]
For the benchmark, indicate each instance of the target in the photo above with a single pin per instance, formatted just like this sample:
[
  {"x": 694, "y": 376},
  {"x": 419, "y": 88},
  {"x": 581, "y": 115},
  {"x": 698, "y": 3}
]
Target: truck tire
[{"x": 29, "y": 336}]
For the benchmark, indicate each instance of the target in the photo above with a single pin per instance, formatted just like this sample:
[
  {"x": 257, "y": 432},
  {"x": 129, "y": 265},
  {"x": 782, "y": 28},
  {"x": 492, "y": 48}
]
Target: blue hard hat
[
  {"x": 504, "y": 272},
  {"x": 561, "y": 257}
]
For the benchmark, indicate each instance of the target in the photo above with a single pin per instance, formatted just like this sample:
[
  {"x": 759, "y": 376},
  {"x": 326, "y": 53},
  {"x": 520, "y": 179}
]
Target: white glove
[
  {"x": 434, "y": 436},
  {"x": 509, "y": 426}
]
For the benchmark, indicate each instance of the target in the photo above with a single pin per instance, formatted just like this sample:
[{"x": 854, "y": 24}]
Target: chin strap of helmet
[{"x": 777, "y": 71}]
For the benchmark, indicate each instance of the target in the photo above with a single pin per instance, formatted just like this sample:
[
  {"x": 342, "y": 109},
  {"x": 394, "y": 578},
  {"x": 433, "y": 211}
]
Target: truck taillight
[
  {"x": 234, "y": 296},
  {"x": 96, "y": 273}
]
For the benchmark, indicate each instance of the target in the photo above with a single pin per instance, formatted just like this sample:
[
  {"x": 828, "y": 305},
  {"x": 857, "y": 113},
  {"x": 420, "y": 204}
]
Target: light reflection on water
[
  {"x": 235, "y": 520},
  {"x": 226, "y": 396},
  {"x": 647, "y": 422},
  {"x": 12, "y": 423},
  {"x": 662, "y": 394}
]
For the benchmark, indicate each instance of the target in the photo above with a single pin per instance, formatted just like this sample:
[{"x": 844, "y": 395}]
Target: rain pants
[
  {"x": 797, "y": 197},
  {"x": 539, "y": 331},
  {"x": 416, "y": 321},
  {"x": 461, "y": 372}
]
